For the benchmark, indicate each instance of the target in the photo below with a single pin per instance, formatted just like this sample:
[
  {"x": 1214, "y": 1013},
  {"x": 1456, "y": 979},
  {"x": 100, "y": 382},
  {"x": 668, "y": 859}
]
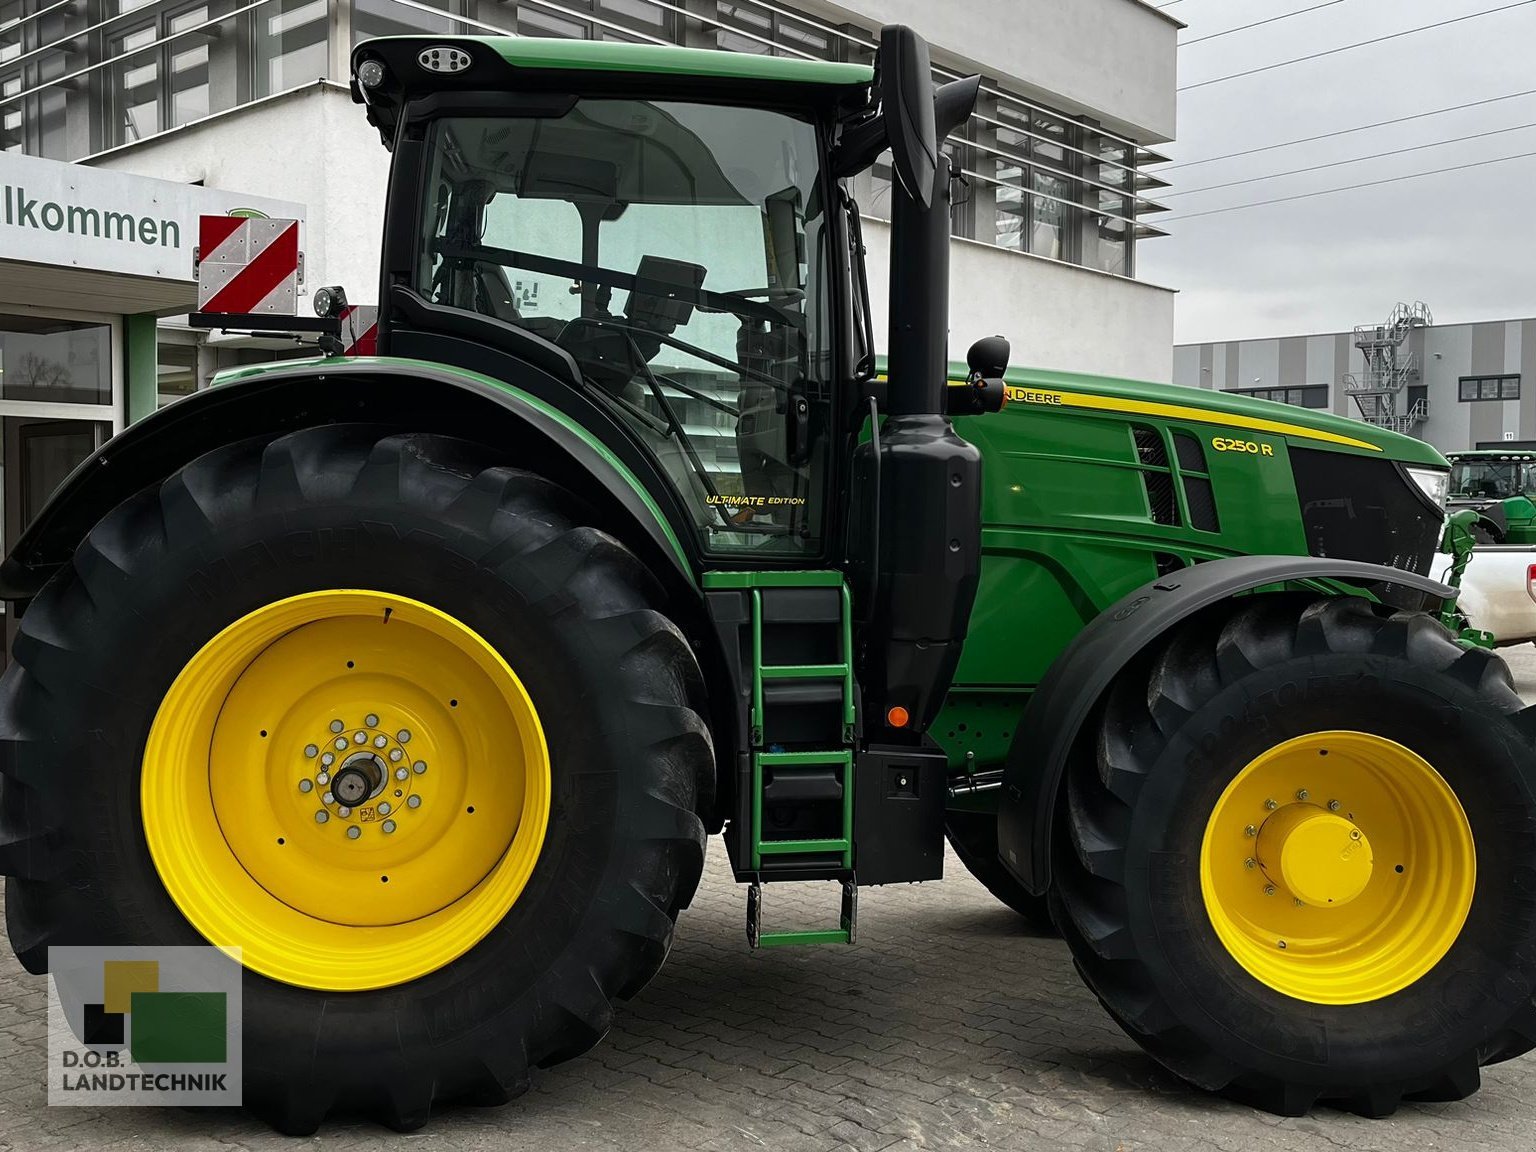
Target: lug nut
[
  {"x": 1250, "y": 863},
  {"x": 419, "y": 767},
  {"x": 341, "y": 744},
  {"x": 1300, "y": 903},
  {"x": 1250, "y": 831},
  {"x": 322, "y": 816},
  {"x": 401, "y": 772},
  {"x": 1271, "y": 805},
  {"x": 360, "y": 738},
  {"x": 371, "y": 720},
  {"x": 1301, "y": 793},
  {"x": 389, "y": 826},
  {"x": 328, "y": 759},
  {"x": 337, "y": 725},
  {"x": 1269, "y": 889},
  {"x": 311, "y": 751},
  {"x": 306, "y": 785},
  {"x": 380, "y": 740},
  {"x": 396, "y": 755},
  {"x": 343, "y": 811},
  {"x": 404, "y": 735},
  {"x": 1354, "y": 833},
  {"x": 323, "y": 779},
  {"x": 384, "y": 808},
  {"x": 329, "y": 798},
  {"x": 354, "y": 832},
  {"x": 1334, "y": 805},
  {"x": 413, "y": 802}
]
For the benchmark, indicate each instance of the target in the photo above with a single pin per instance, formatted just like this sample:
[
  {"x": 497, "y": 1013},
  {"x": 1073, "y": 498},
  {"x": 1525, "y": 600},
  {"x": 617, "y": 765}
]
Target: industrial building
[{"x": 1458, "y": 386}]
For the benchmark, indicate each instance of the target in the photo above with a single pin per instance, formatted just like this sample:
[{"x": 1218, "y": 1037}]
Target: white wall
[
  {"x": 312, "y": 145},
  {"x": 1114, "y": 60},
  {"x": 1056, "y": 315}
]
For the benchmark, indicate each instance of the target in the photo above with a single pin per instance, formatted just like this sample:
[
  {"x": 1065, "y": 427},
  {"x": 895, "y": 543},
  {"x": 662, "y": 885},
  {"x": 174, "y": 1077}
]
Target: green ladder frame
[{"x": 841, "y": 758}]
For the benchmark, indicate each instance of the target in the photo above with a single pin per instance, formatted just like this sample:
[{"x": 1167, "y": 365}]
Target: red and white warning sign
[
  {"x": 247, "y": 264},
  {"x": 360, "y": 330}
]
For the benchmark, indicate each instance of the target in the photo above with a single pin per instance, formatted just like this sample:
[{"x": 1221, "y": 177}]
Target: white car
[{"x": 1498, "y": 590}]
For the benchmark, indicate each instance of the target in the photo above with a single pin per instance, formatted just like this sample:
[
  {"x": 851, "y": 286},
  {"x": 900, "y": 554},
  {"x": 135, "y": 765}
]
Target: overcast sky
[{"x": 1463, "y": 242}]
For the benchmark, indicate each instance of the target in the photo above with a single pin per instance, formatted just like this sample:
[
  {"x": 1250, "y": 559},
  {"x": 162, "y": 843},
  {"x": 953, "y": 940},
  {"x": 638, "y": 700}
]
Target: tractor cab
[{"x": 679, "y": 250}]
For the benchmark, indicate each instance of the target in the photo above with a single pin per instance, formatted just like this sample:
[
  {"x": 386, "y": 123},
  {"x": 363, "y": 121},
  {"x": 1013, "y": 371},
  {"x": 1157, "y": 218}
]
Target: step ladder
[{"x": 802, "y": 728}]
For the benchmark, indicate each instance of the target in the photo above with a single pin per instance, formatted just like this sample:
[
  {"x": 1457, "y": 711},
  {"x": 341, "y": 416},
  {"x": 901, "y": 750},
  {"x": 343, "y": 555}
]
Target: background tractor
[
  {"x": 1499, "y": 485},
  {"x": 424, "y": 677}
]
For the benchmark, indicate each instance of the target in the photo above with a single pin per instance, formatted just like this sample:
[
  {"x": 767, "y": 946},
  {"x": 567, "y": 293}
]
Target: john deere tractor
[
  {"x": 1498, "y": 485},
  {"x": 423, "y": 678}
]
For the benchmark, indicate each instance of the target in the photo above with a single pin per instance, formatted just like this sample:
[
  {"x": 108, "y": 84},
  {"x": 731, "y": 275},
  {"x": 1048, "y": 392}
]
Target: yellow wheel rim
[
  {"x": 1338, "y": 867},
  {"x": 351, "y": 787}
]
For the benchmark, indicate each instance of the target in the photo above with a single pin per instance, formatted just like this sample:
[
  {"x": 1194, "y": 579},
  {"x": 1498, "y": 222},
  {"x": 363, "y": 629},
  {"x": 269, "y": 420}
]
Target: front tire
[
  {"x": 416, "y": 565},
  {"x": 1288, "y": 926}
]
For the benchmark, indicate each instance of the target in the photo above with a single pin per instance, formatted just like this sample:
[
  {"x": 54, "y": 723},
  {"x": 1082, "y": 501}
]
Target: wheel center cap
[
  {"x": 1320, "y": 858},
  {"x": 359, "y": 778}
]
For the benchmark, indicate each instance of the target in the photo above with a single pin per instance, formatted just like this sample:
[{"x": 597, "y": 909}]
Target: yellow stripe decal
[{"x": 1027, "y": 395}]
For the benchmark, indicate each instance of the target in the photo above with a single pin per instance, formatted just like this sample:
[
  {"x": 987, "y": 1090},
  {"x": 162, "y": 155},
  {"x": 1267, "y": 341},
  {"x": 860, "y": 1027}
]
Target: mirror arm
[{"x": 859, "y": 146}]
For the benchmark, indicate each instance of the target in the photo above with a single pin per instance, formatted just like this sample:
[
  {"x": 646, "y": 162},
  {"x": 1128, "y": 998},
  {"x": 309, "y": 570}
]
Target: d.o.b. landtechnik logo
[{"x": 143, "y": 1026}]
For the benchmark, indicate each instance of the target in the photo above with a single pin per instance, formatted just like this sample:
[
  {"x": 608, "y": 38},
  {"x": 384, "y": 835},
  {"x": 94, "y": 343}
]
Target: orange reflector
[{"x": 897, "y": 717}]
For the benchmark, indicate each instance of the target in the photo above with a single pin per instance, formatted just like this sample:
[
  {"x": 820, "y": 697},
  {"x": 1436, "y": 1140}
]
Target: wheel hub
[
  {"x": 1318, "y": 857},
  {"x": 1348, "y": 897},
  {"x": 350, "y": 786},
  {"x": 360, "y": 778}
]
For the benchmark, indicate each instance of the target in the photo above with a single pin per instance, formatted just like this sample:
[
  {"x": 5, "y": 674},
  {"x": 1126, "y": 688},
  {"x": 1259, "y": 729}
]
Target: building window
[
  {"x": 1489, "y": 388},
  {"x": 1302, "y": 396},
  {"x": 292, "y": 44},
  {"x": 55, "y": 361}
]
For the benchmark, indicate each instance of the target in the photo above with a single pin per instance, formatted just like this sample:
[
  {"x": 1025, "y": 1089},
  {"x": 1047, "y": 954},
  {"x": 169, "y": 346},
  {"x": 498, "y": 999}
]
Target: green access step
[
  {"x": 842, "y": 761},
  {"x": 845, "y": 933}
]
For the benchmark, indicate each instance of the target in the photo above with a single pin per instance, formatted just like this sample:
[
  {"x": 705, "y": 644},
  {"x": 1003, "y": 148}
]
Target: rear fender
[
  {"x": 414, "y": 395},
  {"x": 1053, "y": 721}
]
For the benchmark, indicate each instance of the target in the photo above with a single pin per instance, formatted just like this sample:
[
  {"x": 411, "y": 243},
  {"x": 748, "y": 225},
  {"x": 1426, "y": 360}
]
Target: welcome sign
[{"x": 73, "y": 216}]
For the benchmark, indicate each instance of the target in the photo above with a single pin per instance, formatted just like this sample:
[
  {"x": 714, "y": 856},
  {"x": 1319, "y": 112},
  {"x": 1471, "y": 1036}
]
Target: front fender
[
  {"x": 1074, "y": 684},
  {"x": 415, "y": 395}
]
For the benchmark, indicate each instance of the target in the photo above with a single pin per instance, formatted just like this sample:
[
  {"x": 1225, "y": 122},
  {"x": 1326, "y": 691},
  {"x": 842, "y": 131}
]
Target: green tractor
[
  {"x": 423, "y": 678},
  {"x": 1499, "y": 485}
]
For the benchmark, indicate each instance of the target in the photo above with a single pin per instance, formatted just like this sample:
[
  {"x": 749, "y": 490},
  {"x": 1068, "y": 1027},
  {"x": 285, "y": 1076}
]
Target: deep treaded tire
[
  {"x": 973, "y": 836},
  {"x": 1180, "y": 726},
  {"x": 441, "y": 521}
]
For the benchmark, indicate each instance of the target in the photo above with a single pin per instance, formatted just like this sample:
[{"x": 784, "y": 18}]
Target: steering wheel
[
  {"x": 795, "y": 294},
  {"x": 771, "y": 296}
]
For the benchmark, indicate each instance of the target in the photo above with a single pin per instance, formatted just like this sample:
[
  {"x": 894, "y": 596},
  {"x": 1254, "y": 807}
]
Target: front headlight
[{"x": 1432, "y": 482}]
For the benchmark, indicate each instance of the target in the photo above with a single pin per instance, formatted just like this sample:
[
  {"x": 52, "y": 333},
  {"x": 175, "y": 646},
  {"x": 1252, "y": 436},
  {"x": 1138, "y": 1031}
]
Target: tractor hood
[{"x": 1302, "y": 427}]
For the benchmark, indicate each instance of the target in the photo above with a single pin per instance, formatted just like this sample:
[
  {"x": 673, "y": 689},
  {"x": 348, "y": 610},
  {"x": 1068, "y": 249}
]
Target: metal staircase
[{"x": 1390, "y": 366}]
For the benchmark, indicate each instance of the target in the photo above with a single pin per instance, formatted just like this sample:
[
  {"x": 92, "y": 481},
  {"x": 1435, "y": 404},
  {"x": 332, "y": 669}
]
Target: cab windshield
[
  {"x": 1492, "y": 479},
  {"x": 677, "y": 251}
]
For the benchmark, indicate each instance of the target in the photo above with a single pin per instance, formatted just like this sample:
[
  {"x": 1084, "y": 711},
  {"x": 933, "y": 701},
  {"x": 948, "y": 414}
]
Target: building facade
[
  {"x": 1457, "y": 386},
  {"x": 252, "y": 95}
]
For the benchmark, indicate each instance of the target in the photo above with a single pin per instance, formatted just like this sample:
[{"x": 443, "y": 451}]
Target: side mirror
[
  {"x": 906, "y": 103},
  {"x": 983, "y": 390},
  {"x": 988, "y": 357}
]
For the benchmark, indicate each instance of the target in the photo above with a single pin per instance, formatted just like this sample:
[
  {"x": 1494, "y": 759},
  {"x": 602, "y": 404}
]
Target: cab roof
[
  {"x": 668, "y": 59},
  {"x": 1492, "y": 454},
  {"x": 508, "y": 69}
]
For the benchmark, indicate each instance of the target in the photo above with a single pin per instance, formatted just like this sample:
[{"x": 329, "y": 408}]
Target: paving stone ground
[{"x": 947, "y": 1027}]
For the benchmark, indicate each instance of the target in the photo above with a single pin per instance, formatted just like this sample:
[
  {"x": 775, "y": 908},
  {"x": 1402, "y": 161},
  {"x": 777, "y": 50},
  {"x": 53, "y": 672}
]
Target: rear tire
[
  {"x": 1177, "y": 730},
  {"x": 504, "y": 552},
  {"x": 973, "y": 836}
]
